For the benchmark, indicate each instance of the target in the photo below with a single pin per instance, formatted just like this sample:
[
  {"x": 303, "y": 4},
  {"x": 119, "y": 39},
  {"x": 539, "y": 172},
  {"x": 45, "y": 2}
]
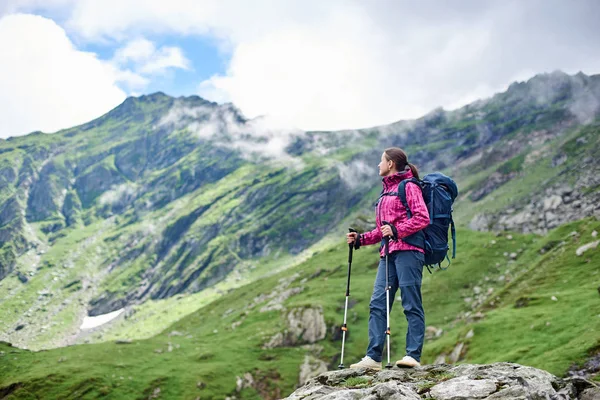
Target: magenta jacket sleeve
[
  {"x": 371, "y": 237},
  {"x": 420, "y": 215}
]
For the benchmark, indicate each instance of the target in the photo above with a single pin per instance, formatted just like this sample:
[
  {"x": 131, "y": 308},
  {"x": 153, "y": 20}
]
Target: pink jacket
[{"x": 390, "y": 209}]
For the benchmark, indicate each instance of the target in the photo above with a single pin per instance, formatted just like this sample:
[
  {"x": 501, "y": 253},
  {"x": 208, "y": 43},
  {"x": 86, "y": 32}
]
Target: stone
[
  {"x": 432, "y": 332},
  {"x": 308, "y": 324},
  {"x": 498, "y": 381},
  {"x": 310, "y": 368},
  {"x": 552, "y": 202},
  {"x": 470, "y": 334},
  {"x": 587, "y": 247},
  {"x": 277, "y": 302},
  {"x": 441, "y": 359},
  {"x": 553, "y": 298},
  {"x": 590, "y": 394},
  {"x": 22, "y": 277},
  {"x": 305, "y": 325},
  {"x": 455, "y": 355},
  {"x": 463, "y": 388}
]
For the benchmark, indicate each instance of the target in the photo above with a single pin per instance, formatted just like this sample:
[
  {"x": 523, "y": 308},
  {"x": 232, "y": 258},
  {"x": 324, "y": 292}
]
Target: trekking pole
[
  {"x": 344, "y": 327},
  {"x": 387, "y": 295}
]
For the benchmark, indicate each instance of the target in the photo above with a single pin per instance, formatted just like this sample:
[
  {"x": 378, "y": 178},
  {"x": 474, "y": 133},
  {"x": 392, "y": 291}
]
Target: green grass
[
  {"x": 206, "y": 348},
  {"x": 356, "y": 382}
]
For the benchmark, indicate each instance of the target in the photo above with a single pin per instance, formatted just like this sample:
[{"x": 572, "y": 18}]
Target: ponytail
[{"x": 414, "y": 170}]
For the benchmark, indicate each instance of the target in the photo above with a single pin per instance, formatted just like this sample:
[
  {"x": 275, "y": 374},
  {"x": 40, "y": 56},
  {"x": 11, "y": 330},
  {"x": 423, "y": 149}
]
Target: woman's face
[{"x": 385, "y": 165}]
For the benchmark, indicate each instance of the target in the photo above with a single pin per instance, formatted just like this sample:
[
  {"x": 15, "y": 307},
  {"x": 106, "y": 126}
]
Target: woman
[{"x": 405, "y": 261}]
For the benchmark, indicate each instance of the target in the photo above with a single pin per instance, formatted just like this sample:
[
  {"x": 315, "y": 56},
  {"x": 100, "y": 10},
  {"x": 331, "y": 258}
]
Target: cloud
[
  {"x": 147, "y": 59},
  {"x": 139, "y": 61},
  {"x": 123, "y": 193},
  {"x": 350, "y": 64},
  {"x": 45, "y": 82},
  {"x": 357, "y": 174},
  {"x": 225, "y": 126}
]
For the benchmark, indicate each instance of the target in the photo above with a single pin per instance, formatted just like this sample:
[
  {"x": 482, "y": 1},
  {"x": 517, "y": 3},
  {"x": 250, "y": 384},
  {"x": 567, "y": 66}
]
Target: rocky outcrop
[
  {"x": 310, "y": 368},
  {"x": 554, "y": 206},
  {"x": 443, "y": 382},
  {"x": 304, "y": 325}
]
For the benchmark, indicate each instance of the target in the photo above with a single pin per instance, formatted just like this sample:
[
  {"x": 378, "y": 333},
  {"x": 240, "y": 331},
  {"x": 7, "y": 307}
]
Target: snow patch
[{"x": 93, "y": 322}]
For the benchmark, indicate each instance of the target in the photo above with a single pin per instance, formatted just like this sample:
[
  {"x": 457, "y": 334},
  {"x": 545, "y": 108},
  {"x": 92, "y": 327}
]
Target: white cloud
[
  {"x": 260, "y": 137},
  {"x": 348, "y": 63},
  {"x": 138, "y": 61},
  {"x": 147, "y": 59},
  {"x": 45, "y": 82}
]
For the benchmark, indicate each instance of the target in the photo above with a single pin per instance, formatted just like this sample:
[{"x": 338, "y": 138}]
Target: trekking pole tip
[
  {"x": 341, "y": 366},
  {"x": 389, "y": 366}
]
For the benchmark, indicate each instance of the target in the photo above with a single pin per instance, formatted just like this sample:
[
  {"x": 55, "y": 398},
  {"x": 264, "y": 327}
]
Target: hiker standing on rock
[{"x": 404, "y": 260}]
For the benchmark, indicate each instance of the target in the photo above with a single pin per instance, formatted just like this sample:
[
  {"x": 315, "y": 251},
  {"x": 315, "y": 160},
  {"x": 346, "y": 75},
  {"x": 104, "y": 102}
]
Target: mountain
[{"x": 218, "y": 240}]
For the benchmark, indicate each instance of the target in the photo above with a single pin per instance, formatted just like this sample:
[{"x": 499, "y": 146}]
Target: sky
[{"x": 306, "y": 64}]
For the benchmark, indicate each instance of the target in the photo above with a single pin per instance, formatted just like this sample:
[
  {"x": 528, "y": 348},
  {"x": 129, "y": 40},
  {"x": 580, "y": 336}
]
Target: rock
[
  {"x": 308, "y": 324},
  {"x": 277, "y": 302},
  {"x": 441, "y": 359},
  {"x": 310, "y": 368},
  {"x": 552, "y": 202},
  {"x": 480, "y": 222},
  {"x": 470, "y": 334},
  {"x": 478, "y": 315},
  {"x": 246, "y": 382},
  {"x": 594, "y": 234},
  {"x": 587, "y": 247},
  {"x": 22, "y": 277},
  {"x": 431, "y": 332},
  {"x": 513, "y": 256},
  {"x": 499, "y": 381},
  {"x": 463, "y": 388},
  {"x": 553, "y": 298},
  {"x": 590, "y": 394},
  {"x": 455, "y": 355},
  {"x": 19, "y": 327},
  {"x": 305, "y": 325}
]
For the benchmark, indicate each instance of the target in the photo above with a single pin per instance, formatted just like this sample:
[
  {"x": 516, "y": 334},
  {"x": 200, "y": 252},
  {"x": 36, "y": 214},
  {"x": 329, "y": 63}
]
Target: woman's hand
[
  {"x": 351, "y": 237},
  {"x": 386, "y": 230}
]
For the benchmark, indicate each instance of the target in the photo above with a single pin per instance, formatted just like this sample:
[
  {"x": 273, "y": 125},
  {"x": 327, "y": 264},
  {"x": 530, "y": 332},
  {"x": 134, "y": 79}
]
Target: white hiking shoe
[
  {"x": 367, "y": 362},
  {"x": 407, "y": 362}
]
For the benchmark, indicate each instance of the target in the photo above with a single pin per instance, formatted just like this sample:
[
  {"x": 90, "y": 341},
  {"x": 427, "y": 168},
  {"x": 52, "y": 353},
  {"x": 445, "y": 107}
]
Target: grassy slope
[{"x": 210, "y": 351}]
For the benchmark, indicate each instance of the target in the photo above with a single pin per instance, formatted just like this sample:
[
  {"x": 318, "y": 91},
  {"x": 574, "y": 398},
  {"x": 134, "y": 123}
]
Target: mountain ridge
[{"x": 140, "y": 204}]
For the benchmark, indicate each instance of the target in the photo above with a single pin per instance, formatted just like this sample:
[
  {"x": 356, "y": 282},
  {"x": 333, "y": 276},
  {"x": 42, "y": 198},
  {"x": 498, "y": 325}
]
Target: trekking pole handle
[
  {"x": 386, "y": 240},
  {"x": 351, "y": 245}
]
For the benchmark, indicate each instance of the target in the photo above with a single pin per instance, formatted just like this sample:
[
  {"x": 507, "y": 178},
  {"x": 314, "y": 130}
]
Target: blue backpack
[{"x": 439, "y": 193}]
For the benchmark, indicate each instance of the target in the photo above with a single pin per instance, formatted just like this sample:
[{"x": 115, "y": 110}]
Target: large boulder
[{"x": 444, "y": 382}]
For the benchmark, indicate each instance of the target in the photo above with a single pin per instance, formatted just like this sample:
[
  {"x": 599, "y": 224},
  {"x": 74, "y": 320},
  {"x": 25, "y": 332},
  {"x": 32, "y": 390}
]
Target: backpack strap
[
  {"x": 453, "y": 230},
  {"x": 402, "y": 194}
]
